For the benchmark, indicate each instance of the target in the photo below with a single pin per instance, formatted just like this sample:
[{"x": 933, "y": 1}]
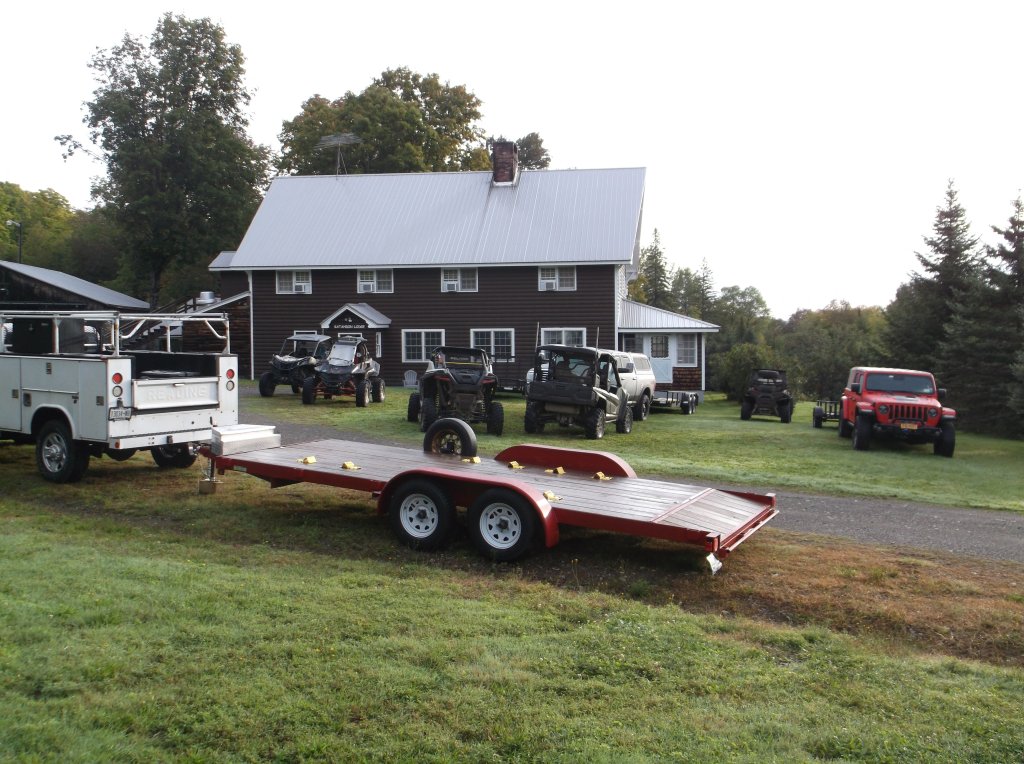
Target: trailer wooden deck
[{"x": 567, "y": 486}]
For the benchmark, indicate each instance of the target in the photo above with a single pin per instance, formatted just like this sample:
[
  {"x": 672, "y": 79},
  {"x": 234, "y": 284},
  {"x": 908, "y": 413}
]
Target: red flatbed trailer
[{"x": 523, "y": 490}]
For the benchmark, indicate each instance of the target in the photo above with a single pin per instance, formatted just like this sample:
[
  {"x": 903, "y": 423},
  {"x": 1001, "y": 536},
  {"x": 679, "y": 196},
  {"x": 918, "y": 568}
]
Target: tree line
[{"x": 960, "y": 316}]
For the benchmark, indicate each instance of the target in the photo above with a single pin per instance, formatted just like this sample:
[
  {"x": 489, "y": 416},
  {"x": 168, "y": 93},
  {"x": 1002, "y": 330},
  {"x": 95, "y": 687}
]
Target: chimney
[{"x": 505, "y": 160}]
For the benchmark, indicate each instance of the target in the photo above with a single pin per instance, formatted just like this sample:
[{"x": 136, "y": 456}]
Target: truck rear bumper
[{"x": 204, "y": 435}]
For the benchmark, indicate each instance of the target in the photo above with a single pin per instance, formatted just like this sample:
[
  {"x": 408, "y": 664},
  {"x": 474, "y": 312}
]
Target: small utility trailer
[
  {"x": 683, "y": 400},
  {"x": 825, "y": 411},
  {"x": 521, "y": 496}
]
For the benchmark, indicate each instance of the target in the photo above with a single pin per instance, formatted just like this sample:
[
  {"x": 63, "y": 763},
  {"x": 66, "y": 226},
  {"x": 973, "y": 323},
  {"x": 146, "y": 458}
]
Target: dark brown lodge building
[{"x": 504, "y": 261}]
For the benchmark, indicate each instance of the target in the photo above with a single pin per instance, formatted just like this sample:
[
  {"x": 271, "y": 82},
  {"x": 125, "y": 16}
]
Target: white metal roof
[
  {"x": 457, "y": 218},
  {"x": 635, "y": 316},
  {"x": 75, "y": 285}
]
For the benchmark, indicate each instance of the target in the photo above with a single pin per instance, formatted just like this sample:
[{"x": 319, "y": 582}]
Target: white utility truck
[{"x": 80, "y": 384}]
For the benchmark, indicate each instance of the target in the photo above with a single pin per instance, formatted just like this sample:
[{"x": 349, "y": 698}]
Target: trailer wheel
[
  {"x": 862, "y": 434},
  {"x": 421, "y": 515},
  {"x": 450, "y": 436},
  {"x": 179, "y": 456},
  {"x": 309, "y": 391},
  {"x": 267, "y": 384},
  {"x": 59, "y": 458},
  {"x": 495, "y": 419},
  {"x": 362, "y": 393},
  {"x": 377, "y": 390},
  {"x": 818, "y": 417},
  {"x": 502, "y": 524},
  {"x": 642, "y": 408},
  {"x": 412, "y": 412},
  {"x": 686, "y": 404}
]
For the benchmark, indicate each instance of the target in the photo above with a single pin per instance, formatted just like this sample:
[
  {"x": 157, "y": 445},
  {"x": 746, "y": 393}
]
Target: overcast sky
[{"x": 800, "y": 148}]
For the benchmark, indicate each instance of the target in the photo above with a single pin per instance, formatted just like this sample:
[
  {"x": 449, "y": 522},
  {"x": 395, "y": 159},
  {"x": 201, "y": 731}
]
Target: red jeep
[{"x": 896, "y": 403}]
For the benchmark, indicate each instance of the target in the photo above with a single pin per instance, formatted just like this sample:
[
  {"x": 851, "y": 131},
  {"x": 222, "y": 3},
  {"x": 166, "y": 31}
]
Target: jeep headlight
[
  {"x": 933, "y": 412},
  {"x": 883, "y": 409}
]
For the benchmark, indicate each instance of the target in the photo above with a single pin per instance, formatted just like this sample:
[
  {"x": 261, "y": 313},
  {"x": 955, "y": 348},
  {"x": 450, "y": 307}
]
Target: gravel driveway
[{"x": 969, "y": 532}]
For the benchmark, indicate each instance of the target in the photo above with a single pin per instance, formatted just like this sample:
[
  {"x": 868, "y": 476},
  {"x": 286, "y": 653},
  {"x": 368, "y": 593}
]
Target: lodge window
[
  {"x": 500, "y": 343},
  {"x": 417, "y": 344},
  {"x": 686, "y": 350},
  {"x": 659, "y": 346},
  {"x": 556, "y": 279},
  {"x": 294, "y": 282},
  {"x": 458, "y": 279},
  {"x": 564, "y": 336},
  {"x": 376, "y": 281}
]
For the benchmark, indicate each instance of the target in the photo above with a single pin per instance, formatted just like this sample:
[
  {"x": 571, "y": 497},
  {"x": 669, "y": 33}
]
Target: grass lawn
[{"x": 144, "y": 621}]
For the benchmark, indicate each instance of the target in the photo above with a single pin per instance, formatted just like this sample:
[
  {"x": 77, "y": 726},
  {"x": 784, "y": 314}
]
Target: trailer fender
[
  {"x": 590, "y": 462},
  {"x": 463, "y": 489}
]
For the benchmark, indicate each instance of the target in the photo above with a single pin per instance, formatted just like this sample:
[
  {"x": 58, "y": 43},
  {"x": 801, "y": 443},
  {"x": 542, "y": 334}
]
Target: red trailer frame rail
[{"x": 526, "y": 492}]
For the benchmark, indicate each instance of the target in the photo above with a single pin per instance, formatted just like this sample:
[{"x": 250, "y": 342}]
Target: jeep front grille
[{"x": 908, "y": 411}]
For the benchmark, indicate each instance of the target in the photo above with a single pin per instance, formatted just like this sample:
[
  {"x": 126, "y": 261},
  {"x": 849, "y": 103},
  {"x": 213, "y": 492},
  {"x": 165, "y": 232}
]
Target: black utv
[
  {"x": 348, "y": 370},
  {"x": 767, "y": 393},
  {"x": 299, "y": 354},
  {"x": 459, "y": 382},
  {"x": 576, "y": 386}
]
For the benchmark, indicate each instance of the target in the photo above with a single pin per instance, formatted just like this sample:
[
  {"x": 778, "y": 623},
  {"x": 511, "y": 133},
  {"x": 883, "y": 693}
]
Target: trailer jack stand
[{"x": 714, "y": 562}]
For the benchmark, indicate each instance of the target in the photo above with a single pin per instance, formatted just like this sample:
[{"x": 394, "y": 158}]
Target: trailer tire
[
  {"x": 59, "y": 458},
  {"x": 267, "y": 384},
  {"x": 378, "y": 390},
  {"x": 642, "y": 408},
  {"x": 412, "y": 411},
  {"x": 818, "y": 417},
  {"x": 502, "y": 524},
  {"x": 421, "y": 515},
  {"x": 309, "y": 391},
  {"x": 450, "y": 436},
  {"x": 178, "y": 456},
  {"x": 362, "y": 393},
  {"x": 495, "y": 419}
]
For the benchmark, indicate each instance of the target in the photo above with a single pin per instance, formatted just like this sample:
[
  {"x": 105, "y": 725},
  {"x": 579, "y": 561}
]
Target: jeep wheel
[
  {"x": 532, "y": 422},
  {"x": 862, "y": 434},
  {"x": 421, "y": 515},
  {"x": 428, "y": 413},
  {"x": 412, "y": 412},
  {"x": 267, "y": 384},
  {"x": 642, "y": 408},
  {"x": 377, "y": 390},
  {"x": 309, "y": 391},
  {"x": 624, "y": 422},
  {"x": 450, "y": 436},
  {"x": 845, "y": 428},
  {"x": 362, "y": 393},
  {"x": 593, "y": 423},
  {"x": 946, "y": 443},
  {"x": 495, "y": 419},
  {"x": 746, "y": 409}
]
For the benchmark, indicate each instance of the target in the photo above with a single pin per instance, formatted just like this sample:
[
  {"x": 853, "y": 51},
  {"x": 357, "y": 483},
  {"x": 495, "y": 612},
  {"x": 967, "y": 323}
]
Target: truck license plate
[
  {"x": 908, "y": 425},
  {"x": 120, "y": 414}
]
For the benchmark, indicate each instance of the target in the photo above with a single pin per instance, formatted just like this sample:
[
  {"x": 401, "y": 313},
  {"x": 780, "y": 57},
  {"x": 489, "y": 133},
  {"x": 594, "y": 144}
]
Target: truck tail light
[
  {"x": 117, "y": 378},
  {"x": 230, "y": 374}
]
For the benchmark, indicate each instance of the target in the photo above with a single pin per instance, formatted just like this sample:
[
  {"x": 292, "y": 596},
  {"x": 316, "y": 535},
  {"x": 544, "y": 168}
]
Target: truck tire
[
  {"x": 862, "y": 434},
  {"x": 450, "y": 436},
  {"x": 377, "y": 390},
  {"x": 120, "y": 454},
  {"x": 746, "y": 409},
  {"x": 309, "y": 391},
  {"x": 428, "y": 413},
  {"x": 267, "y": 384},
  {"x": 642, "y": 408},
  {"x": 178, "y": 456},
  {"x": 593, "y": 423},
  {"x": 412, "y": 411},
  {"x": 624, "y": 422},
  {"x": 495, "y": 419},
  {"x": 59, "y": 458},
  {"x": 532, "y": 422},
  {"x": 362, "y": 393},
  {"x": 502, "y": 524},
  {"x": 945, "y": 445},
  {"x": 421, "y": 515}
]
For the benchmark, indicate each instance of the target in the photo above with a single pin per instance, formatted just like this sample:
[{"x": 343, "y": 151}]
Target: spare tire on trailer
[{"x": 450, "y": 436}]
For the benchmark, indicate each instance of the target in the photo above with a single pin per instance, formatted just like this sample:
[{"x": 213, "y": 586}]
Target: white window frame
[
  {"x": 556, "y": 278},
  {"x": 686, "y": 350},
  {"x": 489, "y": 347},
  {"x": 293, "y": 282},
  {"x": 368, "y": 280},
  {"x": 546, "y": 331},
  {"x": 459, "y": 280},
  {"x": 424, "y": 350}
]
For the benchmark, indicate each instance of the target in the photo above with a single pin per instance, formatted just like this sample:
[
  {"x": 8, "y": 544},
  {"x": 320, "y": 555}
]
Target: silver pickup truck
[{"x": 102, "y": 383}]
